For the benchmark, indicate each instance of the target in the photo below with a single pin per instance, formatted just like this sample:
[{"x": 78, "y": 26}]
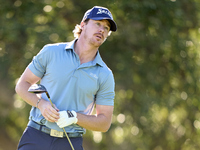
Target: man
[{"x": 76, "y": 78}]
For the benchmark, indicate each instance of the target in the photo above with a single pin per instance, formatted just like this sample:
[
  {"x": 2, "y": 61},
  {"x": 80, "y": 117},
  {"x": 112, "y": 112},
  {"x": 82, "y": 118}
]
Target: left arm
[{"x": 99, "y": 122}]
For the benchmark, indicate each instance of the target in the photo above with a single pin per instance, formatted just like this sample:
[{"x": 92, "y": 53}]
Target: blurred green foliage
[{"x": 154, "y": 56}]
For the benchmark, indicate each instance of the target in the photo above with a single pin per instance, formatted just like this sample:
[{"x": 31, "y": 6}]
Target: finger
[
  {"x": 51, "y": 115},
  {"x": 56, "y": 108},
  {"x": 50, "y": 118},
  {"x": 54, "y": 111},
  {"x": 54, "y": 117}
]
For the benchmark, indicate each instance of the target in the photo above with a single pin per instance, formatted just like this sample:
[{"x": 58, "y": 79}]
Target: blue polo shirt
[{"x": 71, "y": 85}]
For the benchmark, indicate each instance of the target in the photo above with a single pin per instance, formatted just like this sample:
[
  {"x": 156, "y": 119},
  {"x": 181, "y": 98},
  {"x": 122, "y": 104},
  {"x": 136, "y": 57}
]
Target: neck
[{"x": 85, "y": 52}]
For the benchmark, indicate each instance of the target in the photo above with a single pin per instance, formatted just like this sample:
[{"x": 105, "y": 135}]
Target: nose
[{"x": 101, "y": 29}]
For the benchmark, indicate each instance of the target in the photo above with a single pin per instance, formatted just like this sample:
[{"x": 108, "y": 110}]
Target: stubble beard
[{"x": 93, "y": 42}]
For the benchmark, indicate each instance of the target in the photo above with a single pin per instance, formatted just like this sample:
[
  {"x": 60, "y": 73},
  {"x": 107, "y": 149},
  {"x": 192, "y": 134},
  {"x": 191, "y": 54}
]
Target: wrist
[{"x": 75, "y": 116}]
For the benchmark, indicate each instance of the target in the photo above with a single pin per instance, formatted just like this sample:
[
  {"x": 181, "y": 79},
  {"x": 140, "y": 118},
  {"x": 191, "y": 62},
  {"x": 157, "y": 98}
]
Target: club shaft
[
  {"x": 68, "y": 139},
  {"x": 62, "y": 128}
]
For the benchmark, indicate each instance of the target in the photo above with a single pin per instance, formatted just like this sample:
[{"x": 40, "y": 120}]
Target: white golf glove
[{"x": 67, "y": 118}]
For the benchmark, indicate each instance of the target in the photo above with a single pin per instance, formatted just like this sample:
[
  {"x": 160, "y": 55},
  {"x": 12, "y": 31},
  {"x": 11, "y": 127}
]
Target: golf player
[{"x": 77, "y": 80}]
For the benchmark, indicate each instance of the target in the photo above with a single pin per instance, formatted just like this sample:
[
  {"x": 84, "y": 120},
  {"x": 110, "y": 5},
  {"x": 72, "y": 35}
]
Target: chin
[{"x": 97, "y": 43}]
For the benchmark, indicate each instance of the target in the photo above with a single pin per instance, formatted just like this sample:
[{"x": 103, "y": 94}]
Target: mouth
[{"x": 99, "y": 36}]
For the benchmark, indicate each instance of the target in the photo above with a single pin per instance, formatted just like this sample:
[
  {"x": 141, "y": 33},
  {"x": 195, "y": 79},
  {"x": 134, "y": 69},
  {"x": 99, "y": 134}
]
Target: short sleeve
[
  {"x": 39, "y": 62},
  {"x": 106, "y": 92}
]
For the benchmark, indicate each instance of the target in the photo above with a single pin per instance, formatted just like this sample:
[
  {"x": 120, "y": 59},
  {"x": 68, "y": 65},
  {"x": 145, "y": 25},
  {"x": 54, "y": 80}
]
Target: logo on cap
[{"x": 103, "y": 11}]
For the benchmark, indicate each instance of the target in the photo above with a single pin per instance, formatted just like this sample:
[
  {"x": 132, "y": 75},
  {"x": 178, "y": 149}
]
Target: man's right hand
[{"x": 50, "y": 113}]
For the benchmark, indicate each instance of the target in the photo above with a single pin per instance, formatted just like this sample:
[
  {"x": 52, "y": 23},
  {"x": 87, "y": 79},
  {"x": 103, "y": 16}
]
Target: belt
[{"x": 52, "y": 132}]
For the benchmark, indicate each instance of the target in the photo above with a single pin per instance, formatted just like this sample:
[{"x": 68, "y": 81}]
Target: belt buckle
[{"x": 56, "y": 133}]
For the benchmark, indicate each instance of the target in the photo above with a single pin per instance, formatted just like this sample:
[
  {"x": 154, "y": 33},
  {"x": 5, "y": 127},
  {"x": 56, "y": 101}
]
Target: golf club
[{"x": 37, "y": 89}]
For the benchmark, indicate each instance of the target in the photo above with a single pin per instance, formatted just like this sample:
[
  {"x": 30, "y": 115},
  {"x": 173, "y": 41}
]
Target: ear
[{"x": 82, "y": 25}]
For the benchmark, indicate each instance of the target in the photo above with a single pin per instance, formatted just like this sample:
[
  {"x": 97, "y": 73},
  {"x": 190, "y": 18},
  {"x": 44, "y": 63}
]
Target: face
[{"x": 95, "y": 31}]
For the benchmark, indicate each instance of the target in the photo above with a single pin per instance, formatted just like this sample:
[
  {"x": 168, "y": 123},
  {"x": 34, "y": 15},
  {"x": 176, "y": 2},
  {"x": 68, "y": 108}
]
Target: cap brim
[{"x": 113, "y": 26}]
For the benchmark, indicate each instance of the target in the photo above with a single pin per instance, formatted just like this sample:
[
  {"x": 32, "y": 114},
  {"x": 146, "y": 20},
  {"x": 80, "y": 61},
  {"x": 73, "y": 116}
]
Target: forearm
[
  {"x": 23, "y": 84},
  {"x": 22, "y": 90},
  {"x": 50, "y": 113},
  {"x": 94, "y": 122},
  {"x": 99, "y": 122}
]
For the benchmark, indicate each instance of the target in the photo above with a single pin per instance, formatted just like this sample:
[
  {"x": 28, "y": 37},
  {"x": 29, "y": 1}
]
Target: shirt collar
[
  {"x": 70, "y": 45},
  {"x": 97, "y": 60}
]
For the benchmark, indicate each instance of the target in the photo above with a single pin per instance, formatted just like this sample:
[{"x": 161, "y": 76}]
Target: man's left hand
[{"x": 67, "y": 118}]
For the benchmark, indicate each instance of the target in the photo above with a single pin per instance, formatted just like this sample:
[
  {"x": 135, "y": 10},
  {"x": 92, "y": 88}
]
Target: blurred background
[{"x": 154, "y": 55}]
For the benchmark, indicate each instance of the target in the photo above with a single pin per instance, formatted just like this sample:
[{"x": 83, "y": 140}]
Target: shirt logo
[
  {"x": 103, "y": 11},
  {"x": 94, "y": 75}
]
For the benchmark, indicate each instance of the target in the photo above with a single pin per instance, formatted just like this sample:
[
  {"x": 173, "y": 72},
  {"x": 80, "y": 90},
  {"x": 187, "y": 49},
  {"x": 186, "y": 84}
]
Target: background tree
[{"x": 154, "y": 56}]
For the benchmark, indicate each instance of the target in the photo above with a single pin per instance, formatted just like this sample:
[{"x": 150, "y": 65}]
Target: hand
[
  {"x": 67, "y": 118},
  {"x": 50, "y": 113}
]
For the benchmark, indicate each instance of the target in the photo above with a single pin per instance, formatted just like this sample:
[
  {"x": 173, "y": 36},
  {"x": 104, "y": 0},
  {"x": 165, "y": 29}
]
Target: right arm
[{"x": 25, "y": 81}]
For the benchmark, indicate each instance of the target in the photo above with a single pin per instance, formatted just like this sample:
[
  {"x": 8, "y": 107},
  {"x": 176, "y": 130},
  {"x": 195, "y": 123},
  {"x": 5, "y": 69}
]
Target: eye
[
  {"x": 98, "y": 24},
  {"x": 107, "y": 28}
]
